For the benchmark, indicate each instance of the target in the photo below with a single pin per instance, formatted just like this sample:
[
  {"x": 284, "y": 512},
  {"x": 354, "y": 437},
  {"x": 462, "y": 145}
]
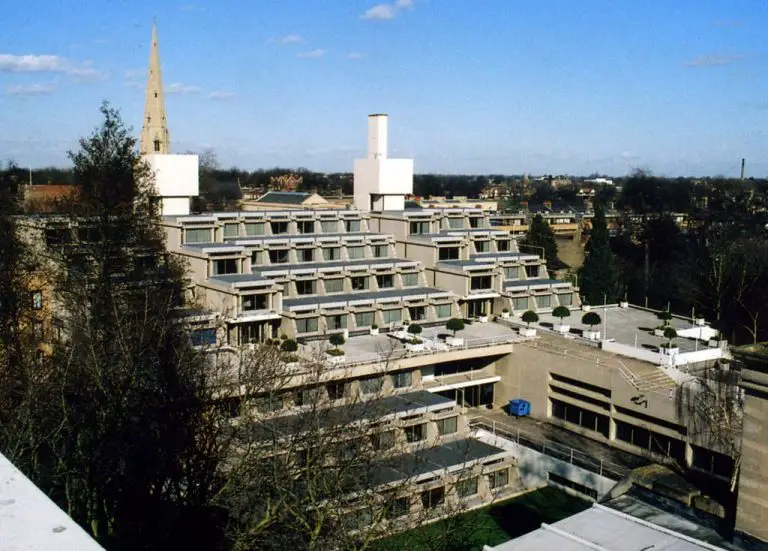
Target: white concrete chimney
[{"x": 377, "y": 136}]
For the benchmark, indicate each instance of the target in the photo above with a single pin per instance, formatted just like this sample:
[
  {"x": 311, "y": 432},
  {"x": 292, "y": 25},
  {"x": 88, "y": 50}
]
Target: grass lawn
[{"x": 490, "y": 526}]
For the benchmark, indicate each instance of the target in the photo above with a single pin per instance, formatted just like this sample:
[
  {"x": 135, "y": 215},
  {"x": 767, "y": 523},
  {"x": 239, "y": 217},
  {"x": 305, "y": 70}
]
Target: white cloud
[
  {"x": 313, "y": 54},
  {"x": 32, "y": 63},
  {"x": 356, "y": 55},
  {"x": 287, "y": 39},
  {"x": 86, "y": 72},
  {"x": 30, "y": 89},
  {"x": 714, "y": 60},
  {"x": 179, "y": 88},
  {"x": 387, "y": 11},
  {"x": 221, "y": 94}
]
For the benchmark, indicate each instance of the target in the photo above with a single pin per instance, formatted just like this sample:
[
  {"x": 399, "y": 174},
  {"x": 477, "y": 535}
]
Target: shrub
[
  {"x": 561, "y": 312},
  {"x": 414, "y": 329},
  {"x": 455, "y": 324},
  {"x": 529, "y": 317},
  {"x": 414, "y": 340},
  {"x": 374, "y": 326},
  {"x": 335, "y": 352},
  {"x": 591, "y": 319},
  {"x": 337, "y": 339},
  {"x": 664, "y": 316},
  {"x": 670, "y": 333},
  {"x": 289, "y": 345},
  {"x": 505, "y": 310},
  {"x": 290, "y": 358}
]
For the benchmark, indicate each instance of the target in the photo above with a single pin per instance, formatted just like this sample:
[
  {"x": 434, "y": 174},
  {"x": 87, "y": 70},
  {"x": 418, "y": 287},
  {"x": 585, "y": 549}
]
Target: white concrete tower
[
  {"x": 154, "y": 131},
  {"x": 381, "y": 183}
]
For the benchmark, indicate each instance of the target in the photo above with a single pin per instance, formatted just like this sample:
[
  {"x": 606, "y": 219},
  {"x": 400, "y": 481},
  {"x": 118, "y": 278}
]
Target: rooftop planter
[
  {"x": 561, "y": 312},
  {"x": 454, "y": 325},
  {"x": 505, "y": 313},
  {"x": 529, "y": 317},
  {"x": 668, "y": 347},
  {"x": 482, "y": 317},
  {"x": 414, "y": 344},
  {"x": 336, "y": 355},
  {"x": 591, "y": 319},
  {"x": 374, "y": 329}
]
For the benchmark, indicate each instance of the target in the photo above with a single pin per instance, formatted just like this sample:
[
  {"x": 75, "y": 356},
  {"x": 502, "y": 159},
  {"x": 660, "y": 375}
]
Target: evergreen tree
[
  {"x": 599, "y": 279},
  {"x": 541, "y": 236}
]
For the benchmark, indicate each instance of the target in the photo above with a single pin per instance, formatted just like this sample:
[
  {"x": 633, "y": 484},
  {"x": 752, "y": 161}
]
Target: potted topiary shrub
[
  {"x": 482, "y": 317},
  {"x": 336, "y": 354},
  {"x": 585, "y": 307},
  {"x": 289, "y": 347},
  {"x": 529, "y": 317},
  {"x": 454, "y": 325},
  {"x": 414, "y": 343},
  {"x": 561, "y": 312},
  {"x": 374, "y": 329},
  {"x": 505, "y": 313},
  {"x": 591, "y": 319},
  {"x": 668, "y": 348},
  {"x": 665, "y": 316}
]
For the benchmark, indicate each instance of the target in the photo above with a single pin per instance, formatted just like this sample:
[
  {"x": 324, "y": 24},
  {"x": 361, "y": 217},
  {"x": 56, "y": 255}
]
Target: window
[
  {"x": 278, "y": 256},
  {"x": 456, "y": 223},
  {"x": 475, "y": 222},
  {"x": 203, "y": 337},
  {"x": 447, "y": 426},
  {"x": 419, "y": 228},
  {"x": 305, "y": 287},
  {"x": 402, "y": 379},
  {"x": 225, "y": 266},
  {"x": 352, "y": 225},
  {"x": 360, "y": 283},
  {"x": 385, "y": 281},
  {"x": 502, "y": 245},
  {"x": 254, "y": 302},
  {"x": 257, "y": 258},
  {"x": 336, "y": 322},
  {"x": 380, "y": 251},
  {"x": 329, "y": 226},
  {"x": 307, "y": 396},
  {"x": 443, "y": 311},
  {"x": 371, "y": 385},
  {"x": 231, "y": 230},
  {"x": 268, "y": 404},
  {"x": 200, "y": 235},
  {"x": 480, "y": 282},
  {"x": 37, "y": 300},
  {"x": 334, "y": 285},
  {"x": 532, "y": 271},
  {"x": 417, "y": 313},
  {"x": 511, "y": 272},
  {"x": 520, "y": 304},
  {"x": 498, "y": 479},
  {"x": 566, "y": 299},
  {"x": 306, "y": 325},
  {"x": 392, "y": 316},
  {"x": 383, "y": 440},
  {"x": 364, "y": 319},
  {"x": 415, "y": 433},
  {"x": 336, "y": 391},
  {"x": 433, "y": 498},
  {"x": 332, "y": 253},
  {"x": 157, "y": 142},
  {"x": 448, "y": 253},
  {"x": 543, "y": 301},
  {"x": 466, "y": 488},
  {"x": 279, "y": 227},
  {"x": 306, "y": 255},
  {"x": 356, "y": 253},
  {"x": 37, "y": 330},
  {"x": 398, "y": 507},
  {"x": 410, "y": 280},
  {"x": 254, "y": 228},
  {"x": 482, "y": 246},
  {"x": 305, "y": 226}
]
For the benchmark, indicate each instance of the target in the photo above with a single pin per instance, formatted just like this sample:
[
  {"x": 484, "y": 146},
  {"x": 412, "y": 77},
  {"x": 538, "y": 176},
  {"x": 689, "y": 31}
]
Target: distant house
[{"x": 288, "y": 200}]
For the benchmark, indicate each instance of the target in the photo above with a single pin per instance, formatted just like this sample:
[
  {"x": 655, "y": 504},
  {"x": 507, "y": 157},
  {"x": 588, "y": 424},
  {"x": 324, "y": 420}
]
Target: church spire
[{"x": 154, "y": 131}]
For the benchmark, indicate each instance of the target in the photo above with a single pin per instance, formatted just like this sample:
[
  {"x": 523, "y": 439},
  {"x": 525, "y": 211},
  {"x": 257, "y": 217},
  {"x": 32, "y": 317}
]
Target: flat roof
[
  {"x": 606, "y": 529},
  {"x": 450, "y": 454},
  {"x": 372, "y": 262},
  {"x": 532, "y": 282},
  {"x": 286, "y": 197},
  {"x": 365, "y": 295}
]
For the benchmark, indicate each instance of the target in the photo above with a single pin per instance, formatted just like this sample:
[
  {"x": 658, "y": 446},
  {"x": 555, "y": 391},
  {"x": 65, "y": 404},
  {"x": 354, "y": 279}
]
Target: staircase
[{"x": 654, "y": 380}]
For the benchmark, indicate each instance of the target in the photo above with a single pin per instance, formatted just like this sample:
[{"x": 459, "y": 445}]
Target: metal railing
[{"x": 555, "y": 450}]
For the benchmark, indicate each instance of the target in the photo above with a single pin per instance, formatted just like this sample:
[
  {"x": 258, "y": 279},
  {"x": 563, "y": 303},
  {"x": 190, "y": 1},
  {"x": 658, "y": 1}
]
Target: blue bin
[{"x": 519, "y": 408}]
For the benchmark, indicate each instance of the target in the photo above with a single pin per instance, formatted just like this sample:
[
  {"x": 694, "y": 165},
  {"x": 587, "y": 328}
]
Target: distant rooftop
[{"x": 284, "y": 197}]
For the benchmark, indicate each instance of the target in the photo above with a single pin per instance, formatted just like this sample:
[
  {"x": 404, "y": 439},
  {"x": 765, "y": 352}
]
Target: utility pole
[{"x": 743, "y": 160}]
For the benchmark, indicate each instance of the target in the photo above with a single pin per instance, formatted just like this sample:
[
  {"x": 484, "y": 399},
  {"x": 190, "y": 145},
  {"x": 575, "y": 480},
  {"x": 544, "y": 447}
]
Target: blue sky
[{"x": 510, "y": 86}]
